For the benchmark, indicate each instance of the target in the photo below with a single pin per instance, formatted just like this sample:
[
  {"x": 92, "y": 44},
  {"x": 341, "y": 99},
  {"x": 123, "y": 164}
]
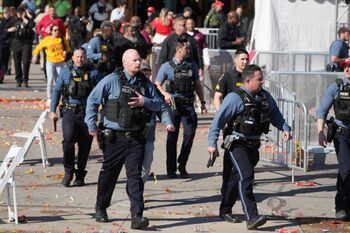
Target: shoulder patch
[
  {"x": 239, "y": 84},
  {"x": 217, "y": 88}
]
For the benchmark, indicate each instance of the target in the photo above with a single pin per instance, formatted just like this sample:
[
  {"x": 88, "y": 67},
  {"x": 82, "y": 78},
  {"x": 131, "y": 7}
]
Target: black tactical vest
[
  {"x": 342, "y": 102},
  {"x": 118, "y": 110},
  {"x": 184, "y": 82},
  {"x": 254, "y": 120},
  {"x": 79, "y": 86}
]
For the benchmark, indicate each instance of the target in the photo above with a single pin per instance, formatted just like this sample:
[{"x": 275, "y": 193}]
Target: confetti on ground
[
  {"x": 58, "y": 176},
  {"x": 168, "y": 190},
  {"x": 29, "y": 171}
]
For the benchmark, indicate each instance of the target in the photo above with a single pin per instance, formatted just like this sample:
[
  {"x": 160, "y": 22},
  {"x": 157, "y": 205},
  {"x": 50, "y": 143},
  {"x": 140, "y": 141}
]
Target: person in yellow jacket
[{"x": 56, "y": 48}]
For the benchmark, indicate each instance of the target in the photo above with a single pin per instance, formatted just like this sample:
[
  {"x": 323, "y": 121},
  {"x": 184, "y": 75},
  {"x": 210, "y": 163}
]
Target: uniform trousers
[
  {"x": 241, "y": 179},
  {"x": 22, "y": 54},
  {"x": 128, "y": 151},
  {"x": 186, "y": 115},
  {"x": 75, "y": 131},
  {"x": 342, "y": 148}
]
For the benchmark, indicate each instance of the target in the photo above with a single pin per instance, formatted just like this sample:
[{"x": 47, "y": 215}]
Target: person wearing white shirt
[
  {"x": 100, "y": 12},
  {"x": 119, "y": 12}
]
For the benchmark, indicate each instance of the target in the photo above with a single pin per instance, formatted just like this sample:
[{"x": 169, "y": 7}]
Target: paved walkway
[{"x": 180, "y": 205}]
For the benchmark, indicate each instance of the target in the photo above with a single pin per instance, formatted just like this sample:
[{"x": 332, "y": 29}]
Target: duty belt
[
  {"x": 344, "y": 131},
  {"x": 184, "y": 100},
  {"x": 112, "y": 135},
  {"x": 74, "y": 107}
]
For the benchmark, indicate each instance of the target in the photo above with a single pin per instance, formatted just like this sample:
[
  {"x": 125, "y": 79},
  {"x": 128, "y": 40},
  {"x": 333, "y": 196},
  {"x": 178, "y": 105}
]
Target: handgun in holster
[
  {"x": 332, "y": 129},
  {"x": 101, "y": 136}
]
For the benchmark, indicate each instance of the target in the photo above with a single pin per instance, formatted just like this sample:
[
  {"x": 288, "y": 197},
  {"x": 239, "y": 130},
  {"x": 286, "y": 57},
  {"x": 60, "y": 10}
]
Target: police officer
[
  {"x": 100, "y": 48},
  {"x": 230, "y": 81},
  {"x": 77, "y": 28},
  {"x": 128, "y": 98},
  {"x": 74, "y": 84},
  {"x": 251, "y": 109},
  {"x": 22, "y": 35},
  {"x": 339, "y": 131},
  {"x": 180, "y": 76}
]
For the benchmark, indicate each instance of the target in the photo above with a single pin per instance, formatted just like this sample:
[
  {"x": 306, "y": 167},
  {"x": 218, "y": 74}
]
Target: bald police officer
[{"x": 128, "y": 98}]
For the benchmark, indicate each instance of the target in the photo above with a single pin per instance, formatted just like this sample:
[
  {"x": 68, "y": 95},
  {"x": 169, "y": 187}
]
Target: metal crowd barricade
[
  {"x": 273, "y": 149},
  {"x": 211, "y": 36},
  {"x": 298, "y": 95},
  {"x": 291, "y": 61}
]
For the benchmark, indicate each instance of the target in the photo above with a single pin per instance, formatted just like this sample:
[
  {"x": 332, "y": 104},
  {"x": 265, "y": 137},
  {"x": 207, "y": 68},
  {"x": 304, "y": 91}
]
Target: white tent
[{"x": 295, "y": 25}]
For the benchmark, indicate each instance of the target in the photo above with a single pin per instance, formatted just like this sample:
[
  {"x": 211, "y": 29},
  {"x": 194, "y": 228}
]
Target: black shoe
[
  {"x": 79, "y": 178},
  {"x": 8, "y": 72},
  {"x": 25, "y": 84},
  {"x": 171, "y": 175},
  {"x": 229, "y": 218},
  {"x": 138, "y": 222},
  {"x": 256, "y": 222},
  {"x": 341, "y": 215},
  {"x": 19, "y": 84},
  {"x": 68, "y": 177},
  {"x": 101, "y": 215},
  {"x": 183, "y": 173}
]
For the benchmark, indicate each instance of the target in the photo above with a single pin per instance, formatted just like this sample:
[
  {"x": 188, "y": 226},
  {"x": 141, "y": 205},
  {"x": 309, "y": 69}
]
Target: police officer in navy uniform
[
  {"x": 128, "y": 98},
  {"x": 100, "y": 49},
  {"x": 229, "y": 82},
  {"x": 74, "y": 84},
  {"x": 339, "y": 131},
  {"x": 180, "y": 76},
  {"x": 251, "y": 109}
]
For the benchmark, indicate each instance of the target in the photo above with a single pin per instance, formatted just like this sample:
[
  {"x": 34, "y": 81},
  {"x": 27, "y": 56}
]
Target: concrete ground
[{"x": 178, "y": 205}]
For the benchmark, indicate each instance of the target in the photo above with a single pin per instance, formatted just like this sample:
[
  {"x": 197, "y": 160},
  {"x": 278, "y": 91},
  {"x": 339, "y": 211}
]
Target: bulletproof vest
[
  {"x": 184, "y": 82},
  {"x": 118, "y": 110},
  {"x": 106, "y": 46},
  {"x": 23, "y": 32},
  {"x": 79, "y": 86},
  {"x": 255, "y": 117},
  {"x": 342, "y": 102}
]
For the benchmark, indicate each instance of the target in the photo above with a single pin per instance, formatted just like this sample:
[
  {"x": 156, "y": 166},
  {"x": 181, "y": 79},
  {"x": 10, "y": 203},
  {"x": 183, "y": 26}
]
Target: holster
[
  {"x": 332, "y": 129},
  {"x": 229, "y": 139},
  {"x": 60, "y": 110},
  {"x": 101, "y": 137}
]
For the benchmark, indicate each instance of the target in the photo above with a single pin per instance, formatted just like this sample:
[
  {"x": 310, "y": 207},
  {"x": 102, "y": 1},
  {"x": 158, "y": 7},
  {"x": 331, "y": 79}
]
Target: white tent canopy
[{"x": 294, "y": 25}]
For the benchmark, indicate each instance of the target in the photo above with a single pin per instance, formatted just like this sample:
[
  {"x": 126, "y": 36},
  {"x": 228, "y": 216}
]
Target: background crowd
[{"x": 57, "y": 29}]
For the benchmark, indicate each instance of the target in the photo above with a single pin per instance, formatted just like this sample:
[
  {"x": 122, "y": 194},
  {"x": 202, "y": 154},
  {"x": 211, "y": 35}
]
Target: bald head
[{"x": 131, "y": 61}]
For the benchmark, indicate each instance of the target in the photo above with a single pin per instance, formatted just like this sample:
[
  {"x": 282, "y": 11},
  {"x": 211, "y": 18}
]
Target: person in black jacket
[
  {"x": 229, "y": 33},
  {"x": 5, "y": 41},
  {"x": 169, "y": 45},
  {"x": 22, "y": 35}
]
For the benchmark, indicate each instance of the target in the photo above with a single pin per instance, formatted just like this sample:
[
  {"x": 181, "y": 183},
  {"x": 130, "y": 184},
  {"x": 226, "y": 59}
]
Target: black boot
[
  {"x": 79, "y": 178},
  {"x": 25, "y": 84},
  {"x": 19, "y": 84},
  {"x": 68, "y": 177},
  {"x": 139, "y": 222}
]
